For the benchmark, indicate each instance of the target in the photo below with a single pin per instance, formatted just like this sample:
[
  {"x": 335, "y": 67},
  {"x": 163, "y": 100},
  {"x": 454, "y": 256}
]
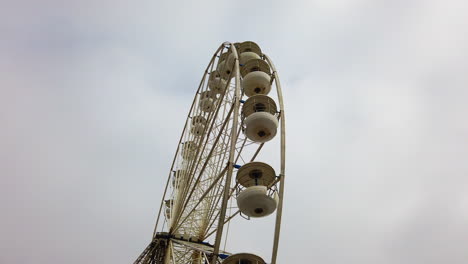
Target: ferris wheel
[{"x": 216, "y": 166}]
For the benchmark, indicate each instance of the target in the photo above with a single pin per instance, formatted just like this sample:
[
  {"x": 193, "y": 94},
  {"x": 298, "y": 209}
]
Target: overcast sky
[{"x": 93, "y": 96}]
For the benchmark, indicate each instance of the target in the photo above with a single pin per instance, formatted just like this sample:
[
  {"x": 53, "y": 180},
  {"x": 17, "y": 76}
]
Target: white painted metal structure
[{"x": 213, "y": 145}]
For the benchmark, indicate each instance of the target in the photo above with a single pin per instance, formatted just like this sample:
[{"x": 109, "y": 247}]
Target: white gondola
[
  {"x": 217, "y": 84},
  {"x": 226, "y": 66},
  {"x": 207, "y": 105},
  {"x": 249, "y": 46},
  {"x": 255, "y": 202},
  {"x": 255, "y": 65},
  {"x": 198, "y": 125},
  {"x": 198, "y": 120},
  {"x": 231, "y": 59},
  {"x": 207, "y": 101},
  {"x": 246, "y": 56},
  {"x": 260, "y": 121},
  {"x": 168, "y": 203},
  {"x": 256, "y": 82},
  {"x": 197, "y": 130},
  {"x": 256, "y": 77},
  {"x": 177, "y": 179},
  {"x": 255, "y": 173},
  {"x": 223, "y": 56},
  {"x": 248, "y": 50},
  {"x": 168, "y": 213},
  {"x": 243, "y": 258},
  {"x": 261, "y": 127},
  {"x": 189, "y": 150}
]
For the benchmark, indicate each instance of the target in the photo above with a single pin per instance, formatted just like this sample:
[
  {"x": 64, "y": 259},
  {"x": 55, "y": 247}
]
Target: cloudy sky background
[{"x": 93, "y": 96}]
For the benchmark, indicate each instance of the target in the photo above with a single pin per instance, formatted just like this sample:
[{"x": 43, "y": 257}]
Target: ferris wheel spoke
[
  {"x": 213, "y": 184},
  {"x": 215, "y": 204},
  {"x": 191, "y": 252},
  {"x": 225, "y": 222},
  {"x": 214, "y": 209},
  {"x": 214, "y": 216},
  {"x": 232, "y": 192},
  {"x": 194, "y": 165},
  {"x": 200, "y": 174},
  {"x": 172, "y": 252}
]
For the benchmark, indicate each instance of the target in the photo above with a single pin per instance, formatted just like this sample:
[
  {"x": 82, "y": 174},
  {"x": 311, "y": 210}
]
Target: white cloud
[{"x": 94, "y": 95}]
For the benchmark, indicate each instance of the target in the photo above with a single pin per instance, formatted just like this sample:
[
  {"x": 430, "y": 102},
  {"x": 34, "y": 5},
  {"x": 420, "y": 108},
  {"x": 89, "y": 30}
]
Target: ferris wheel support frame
[
  {"x": 279, "y": 211},
  {"x": 227, "y": 185}
]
